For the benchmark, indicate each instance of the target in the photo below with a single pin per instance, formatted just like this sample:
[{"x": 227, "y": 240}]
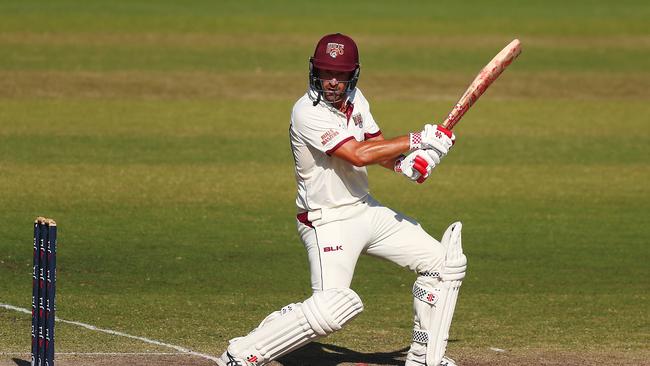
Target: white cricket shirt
[{"x": 323, "y": 180}]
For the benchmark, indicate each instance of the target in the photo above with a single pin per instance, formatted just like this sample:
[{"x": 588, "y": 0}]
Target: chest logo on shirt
[
  {"x": 358, "y": 120},
  {"x": 328, "y": 136},
  {"x": 335, "y": 49}
]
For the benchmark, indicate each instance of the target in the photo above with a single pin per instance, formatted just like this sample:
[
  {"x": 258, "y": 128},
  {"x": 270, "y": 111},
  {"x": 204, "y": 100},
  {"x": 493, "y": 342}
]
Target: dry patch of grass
[
  {"x": 292, "y": 40},
  {"x": 112, "y": 360},
  {"x": 262, "y": 85}
]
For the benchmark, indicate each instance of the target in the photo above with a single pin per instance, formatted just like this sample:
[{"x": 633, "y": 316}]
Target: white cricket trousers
[{"x": 334, "y": 239}]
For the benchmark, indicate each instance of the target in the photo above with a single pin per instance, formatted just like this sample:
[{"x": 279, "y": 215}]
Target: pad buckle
[{"x": 420, "y": 336}]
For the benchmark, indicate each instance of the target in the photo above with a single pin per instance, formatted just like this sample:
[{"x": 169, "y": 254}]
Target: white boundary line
[{"x": 114, "y": 332}]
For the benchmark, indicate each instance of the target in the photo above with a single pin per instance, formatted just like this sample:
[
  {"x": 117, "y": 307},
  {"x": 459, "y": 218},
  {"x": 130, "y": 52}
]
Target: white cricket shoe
[
  {"x": 227, "y": 359},
  {"x": 446, "y": 361}
]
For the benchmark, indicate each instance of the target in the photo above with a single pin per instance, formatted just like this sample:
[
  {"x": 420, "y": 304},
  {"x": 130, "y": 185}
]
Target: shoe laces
[{"x": 232, "y": 361}]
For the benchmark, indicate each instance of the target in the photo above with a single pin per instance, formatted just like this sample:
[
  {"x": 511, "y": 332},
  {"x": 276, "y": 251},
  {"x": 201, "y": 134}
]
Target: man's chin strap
[
  {"x": 317, "y": 99},
  {"x": 435, "y": 300}
]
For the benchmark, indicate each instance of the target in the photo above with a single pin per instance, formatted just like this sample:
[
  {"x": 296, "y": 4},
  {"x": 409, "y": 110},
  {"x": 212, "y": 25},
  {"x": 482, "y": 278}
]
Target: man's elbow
[
  {"x": 354, "y": 153},
  {"x": 360, "y": 160}
]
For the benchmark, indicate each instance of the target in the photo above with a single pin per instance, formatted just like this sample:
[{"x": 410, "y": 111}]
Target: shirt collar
[{"x": 347, "y": 108}]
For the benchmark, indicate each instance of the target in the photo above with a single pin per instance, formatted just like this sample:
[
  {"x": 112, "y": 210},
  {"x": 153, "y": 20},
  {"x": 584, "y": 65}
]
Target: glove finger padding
[
  {"x": 437, "y": 138},
  {"x": 416, "y": 166},
  {"x": 426, "y": 164},
  {"x": 447, "y": 132},
  {"x": 423, "y": 168},
  {"x": 421, "y": 165}
]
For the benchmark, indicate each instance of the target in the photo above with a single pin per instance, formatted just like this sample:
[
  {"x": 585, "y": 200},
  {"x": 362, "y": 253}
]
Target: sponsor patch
[
  {"x": 328, "y": 136},
  {"x": 335, "y": 49}
]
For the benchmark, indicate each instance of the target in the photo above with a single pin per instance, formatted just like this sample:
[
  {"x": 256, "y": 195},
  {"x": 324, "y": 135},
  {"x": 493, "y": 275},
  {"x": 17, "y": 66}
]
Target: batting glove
[
  {"x": 433, "y": 137},
  {"x": 416, "y": 166}
]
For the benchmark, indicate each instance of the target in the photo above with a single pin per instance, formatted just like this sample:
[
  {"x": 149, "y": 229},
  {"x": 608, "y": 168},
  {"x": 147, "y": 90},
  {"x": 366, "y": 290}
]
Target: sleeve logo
[{"x": 328, "y": 136}]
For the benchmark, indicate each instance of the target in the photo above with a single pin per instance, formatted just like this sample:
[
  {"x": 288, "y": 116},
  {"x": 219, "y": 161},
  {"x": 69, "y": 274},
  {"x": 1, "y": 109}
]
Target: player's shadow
[
  {"x": 20, "y": 362},
  {"x": 320, "y": 354}
]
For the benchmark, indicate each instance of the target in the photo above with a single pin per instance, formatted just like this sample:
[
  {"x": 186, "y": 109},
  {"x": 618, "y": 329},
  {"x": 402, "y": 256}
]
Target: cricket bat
[{"x": 482, "y": 81}]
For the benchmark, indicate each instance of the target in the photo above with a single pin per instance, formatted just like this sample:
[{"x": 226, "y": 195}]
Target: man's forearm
[{"x": 383, "y": 152}]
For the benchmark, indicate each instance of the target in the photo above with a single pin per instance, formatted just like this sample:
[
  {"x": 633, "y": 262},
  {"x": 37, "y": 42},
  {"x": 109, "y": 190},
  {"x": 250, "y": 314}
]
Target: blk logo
[{"x": 333, "y": 249}]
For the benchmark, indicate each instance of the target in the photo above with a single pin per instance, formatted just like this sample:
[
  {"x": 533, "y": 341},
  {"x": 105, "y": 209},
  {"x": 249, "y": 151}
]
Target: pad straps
[{"x": 425, "y": 295}]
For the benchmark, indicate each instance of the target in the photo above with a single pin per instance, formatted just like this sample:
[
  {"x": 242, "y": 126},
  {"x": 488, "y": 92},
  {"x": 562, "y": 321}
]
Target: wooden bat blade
[{"x": 482, "y": 81}]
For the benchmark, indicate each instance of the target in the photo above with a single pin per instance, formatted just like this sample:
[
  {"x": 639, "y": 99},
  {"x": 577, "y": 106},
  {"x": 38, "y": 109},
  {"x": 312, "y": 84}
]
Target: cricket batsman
[{"x": 333, "y": 138}]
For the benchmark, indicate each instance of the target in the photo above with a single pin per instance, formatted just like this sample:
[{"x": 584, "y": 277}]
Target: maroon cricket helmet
[{"x": 336, "y": 52}]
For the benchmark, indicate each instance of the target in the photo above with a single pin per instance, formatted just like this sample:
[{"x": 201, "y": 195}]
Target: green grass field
[{"x": 155, "y": 133}]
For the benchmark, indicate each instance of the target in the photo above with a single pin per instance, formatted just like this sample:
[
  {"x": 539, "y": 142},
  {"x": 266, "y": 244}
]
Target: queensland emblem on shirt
[
  {"x": 328, "y": 136},
  {"x": 358, "y": 120}
]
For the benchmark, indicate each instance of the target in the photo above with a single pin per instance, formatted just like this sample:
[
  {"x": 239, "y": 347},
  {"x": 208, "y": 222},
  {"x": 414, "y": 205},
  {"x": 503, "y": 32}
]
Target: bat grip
[{"x": 448, "y": 124}]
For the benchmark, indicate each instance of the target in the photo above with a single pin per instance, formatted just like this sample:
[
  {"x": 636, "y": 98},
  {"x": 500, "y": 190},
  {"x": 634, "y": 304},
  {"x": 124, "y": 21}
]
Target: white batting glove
[
  {"x": 416, "y": 166},
  {"x": 433, "y": 137}
]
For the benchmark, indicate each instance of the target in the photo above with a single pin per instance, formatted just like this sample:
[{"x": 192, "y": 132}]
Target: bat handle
[{"x": 447, "y": 124}]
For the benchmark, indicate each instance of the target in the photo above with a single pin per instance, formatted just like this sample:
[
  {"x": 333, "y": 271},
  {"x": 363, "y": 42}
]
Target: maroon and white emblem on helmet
[{"x": 334, "y": 49}]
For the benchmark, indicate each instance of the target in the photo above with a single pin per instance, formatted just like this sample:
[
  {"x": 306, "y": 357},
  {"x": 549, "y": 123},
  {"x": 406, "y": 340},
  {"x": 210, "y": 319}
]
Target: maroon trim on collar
[
  {"x": 347, "y": 109},
  {"x": 330, "y": 151},
  {"x": 302, "y": 218},
  {"x": 371, "y": 135}
]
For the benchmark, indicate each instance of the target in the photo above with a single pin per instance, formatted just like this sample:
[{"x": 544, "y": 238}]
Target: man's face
[{"x": 334, "y": 84}]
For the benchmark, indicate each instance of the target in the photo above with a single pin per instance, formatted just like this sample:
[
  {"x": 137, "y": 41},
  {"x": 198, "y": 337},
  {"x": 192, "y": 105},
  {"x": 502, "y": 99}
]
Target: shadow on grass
[
  {"x": 320, "y": 354},
  {"x": 20, "y": 362}
]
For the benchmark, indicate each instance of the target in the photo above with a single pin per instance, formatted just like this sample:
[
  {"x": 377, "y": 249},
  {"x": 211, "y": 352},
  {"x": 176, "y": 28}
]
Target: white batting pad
[
  {"x": 435, "y": 302},
  {"x": 296, "y": 325}
]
